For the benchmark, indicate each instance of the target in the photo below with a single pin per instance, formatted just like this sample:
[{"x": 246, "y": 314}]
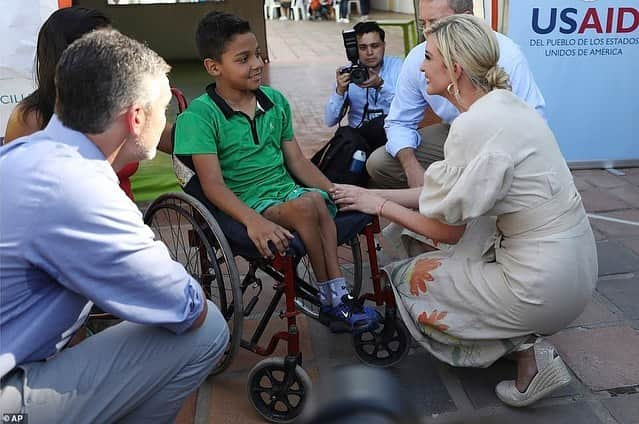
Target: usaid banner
[{"x": 584, "y": 55}]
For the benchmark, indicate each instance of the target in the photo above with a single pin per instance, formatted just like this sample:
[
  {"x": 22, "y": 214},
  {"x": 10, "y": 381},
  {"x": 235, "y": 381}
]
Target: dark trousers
[
  {"x": 343, "y": 9},
  {"x": 366, "y": 6}
]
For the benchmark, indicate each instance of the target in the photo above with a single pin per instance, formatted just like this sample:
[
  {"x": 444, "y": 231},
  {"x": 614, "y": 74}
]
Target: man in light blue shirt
[
  {"x": 70, "y": 238},
  {"x": 369, "y": 102},
  {"x": 409, "y": 150}
]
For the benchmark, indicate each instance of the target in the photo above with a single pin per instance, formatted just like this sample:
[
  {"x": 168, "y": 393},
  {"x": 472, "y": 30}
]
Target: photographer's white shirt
[
  {"x": 411, "y": 100},
  {"x": 378, "y": 100}
]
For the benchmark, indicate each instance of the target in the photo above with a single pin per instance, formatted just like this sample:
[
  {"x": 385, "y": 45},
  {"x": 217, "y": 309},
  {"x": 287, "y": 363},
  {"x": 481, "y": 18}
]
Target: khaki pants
[{"x": 387, "y": 172}]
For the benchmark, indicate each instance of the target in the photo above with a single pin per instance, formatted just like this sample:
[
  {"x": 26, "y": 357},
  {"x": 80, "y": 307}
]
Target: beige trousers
[{"x": 387, "y": 172}]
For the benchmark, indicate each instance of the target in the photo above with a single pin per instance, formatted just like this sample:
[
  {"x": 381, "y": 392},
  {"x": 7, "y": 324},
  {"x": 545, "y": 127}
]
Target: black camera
[{"x": 359, "y": 72}]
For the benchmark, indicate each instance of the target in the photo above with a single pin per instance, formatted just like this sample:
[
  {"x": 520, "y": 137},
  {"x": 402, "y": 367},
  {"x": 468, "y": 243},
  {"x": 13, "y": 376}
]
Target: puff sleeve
[{"x": 454, "y": 192}]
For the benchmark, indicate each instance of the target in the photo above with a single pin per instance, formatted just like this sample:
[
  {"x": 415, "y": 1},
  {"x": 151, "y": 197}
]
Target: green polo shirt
[{"x": 249, "y": 151}]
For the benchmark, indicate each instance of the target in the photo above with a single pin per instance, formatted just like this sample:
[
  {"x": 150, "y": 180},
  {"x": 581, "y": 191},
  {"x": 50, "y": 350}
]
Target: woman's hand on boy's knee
[
  {"x": 262, "y": 232},
  {"x": 354, "y": 198}
]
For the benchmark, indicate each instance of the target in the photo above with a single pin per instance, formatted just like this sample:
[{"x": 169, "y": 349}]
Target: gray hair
[
  {"x": 468, "y": 41},
  {"x": 100, "y": 75},
  {"x": 461, "y": 6}
]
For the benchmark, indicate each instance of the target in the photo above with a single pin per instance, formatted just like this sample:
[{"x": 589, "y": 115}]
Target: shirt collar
[
  {"x": 263, "y": 102},
  {"x": 57, "y": 131}
]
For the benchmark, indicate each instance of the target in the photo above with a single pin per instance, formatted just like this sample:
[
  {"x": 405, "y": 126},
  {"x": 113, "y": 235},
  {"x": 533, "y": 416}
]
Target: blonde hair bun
[{"x": 496, "y": 77}]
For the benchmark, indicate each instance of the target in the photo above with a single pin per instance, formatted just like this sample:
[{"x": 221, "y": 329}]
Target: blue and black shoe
[{"x": 349, "y": 317}]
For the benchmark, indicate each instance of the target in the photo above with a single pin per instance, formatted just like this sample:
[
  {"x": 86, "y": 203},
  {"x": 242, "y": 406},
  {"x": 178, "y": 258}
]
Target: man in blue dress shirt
[
  {"x": 70, "y": 238},
  {"x": 369, "y": 101},
  {"x": 409, "y": 151}
]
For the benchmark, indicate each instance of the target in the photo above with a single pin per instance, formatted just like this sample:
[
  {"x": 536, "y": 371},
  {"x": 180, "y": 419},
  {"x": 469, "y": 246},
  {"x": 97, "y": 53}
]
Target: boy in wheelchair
[{"x": 237, "y": 148}]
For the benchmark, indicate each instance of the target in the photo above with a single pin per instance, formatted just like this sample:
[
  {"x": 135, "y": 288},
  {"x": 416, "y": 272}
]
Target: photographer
[
  {"x": 369, "y": 99},
  {"x": 411, "y": 150}
]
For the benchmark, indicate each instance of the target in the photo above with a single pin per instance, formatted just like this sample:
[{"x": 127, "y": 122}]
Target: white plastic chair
[
  {"x": 269, "y": 8},
  {"x": 300, "y": 10}
]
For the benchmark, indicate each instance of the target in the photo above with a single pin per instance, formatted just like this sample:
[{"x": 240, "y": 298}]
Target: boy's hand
[{"x": 262, "y": 231}]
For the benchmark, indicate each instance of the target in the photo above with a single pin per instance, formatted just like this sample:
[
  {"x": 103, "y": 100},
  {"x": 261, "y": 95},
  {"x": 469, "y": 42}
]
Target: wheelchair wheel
[
  {"x": 195, "y": 240},
  {"x": 385, "y": 346},
  {"x": 349, "y": 256},
  {"x": 277, "y": 396}
]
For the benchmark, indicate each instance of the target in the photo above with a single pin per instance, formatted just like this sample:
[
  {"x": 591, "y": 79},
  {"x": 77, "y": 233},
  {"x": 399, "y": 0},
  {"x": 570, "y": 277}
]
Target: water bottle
[{"x": 357, "y": 164}]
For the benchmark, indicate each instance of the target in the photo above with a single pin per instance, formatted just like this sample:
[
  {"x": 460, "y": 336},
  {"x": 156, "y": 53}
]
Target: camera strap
[
  {"x": 367, "y": 110},
  {"x": 365, "y": 113},
  {"x": 342, "y": 113}
]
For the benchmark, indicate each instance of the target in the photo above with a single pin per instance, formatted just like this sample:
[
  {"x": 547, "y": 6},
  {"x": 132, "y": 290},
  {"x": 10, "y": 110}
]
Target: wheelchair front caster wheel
[
  {"x": 385, "y": 346},
  {"x": 277, "y": 394}
]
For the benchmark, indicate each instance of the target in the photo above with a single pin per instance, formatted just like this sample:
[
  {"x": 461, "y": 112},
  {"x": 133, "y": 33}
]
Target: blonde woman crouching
[{"x": 478, "y": 301}]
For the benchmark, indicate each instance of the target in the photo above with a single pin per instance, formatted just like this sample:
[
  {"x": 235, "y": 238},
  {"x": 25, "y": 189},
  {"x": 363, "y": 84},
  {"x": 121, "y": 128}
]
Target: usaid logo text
[{"x": 570, "y": 20}]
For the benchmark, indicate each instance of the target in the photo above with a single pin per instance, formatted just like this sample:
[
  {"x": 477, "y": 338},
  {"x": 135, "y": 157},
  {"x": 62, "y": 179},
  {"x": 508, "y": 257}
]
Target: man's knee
[
  {"x": 385, "y": 171},
  {"x": 212, "y": 337},
  {"x": 377, "y": 162}
]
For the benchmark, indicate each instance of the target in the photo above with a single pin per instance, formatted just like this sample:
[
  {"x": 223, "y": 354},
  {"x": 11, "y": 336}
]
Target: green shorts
[{"x": 263, "y": 204}]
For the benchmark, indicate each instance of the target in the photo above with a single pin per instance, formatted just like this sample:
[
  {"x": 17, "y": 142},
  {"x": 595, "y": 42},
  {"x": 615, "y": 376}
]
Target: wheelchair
[{"x": 207, "y": 242}]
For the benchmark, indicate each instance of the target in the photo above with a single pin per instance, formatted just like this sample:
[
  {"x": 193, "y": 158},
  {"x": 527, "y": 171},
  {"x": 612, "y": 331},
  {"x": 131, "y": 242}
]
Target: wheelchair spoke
[
  {"x": 287, "y": 402},
  {"x": 191, "y": 256},
  {"x": 171, "y": 246},
  {"x": 261, "y": 389},
  {"x": 182, "y": 241},
  {"x": 174, "y": 235},
  {"x": 175, "y": 230},
  {"x": 296, "y": 392},
  {"x": 193, "y": 239}
]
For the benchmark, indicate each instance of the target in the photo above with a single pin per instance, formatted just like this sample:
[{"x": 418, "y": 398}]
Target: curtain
[{"x": 502, "y": 16}]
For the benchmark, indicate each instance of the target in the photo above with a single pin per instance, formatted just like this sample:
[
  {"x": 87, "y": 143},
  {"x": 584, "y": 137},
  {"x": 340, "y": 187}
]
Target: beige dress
[{"x": 474, "y": 302}]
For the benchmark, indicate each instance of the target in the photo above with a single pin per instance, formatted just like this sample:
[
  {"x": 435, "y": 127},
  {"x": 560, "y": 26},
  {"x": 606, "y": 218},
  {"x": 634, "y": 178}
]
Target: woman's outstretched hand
[{"x": 353, "y": 198}]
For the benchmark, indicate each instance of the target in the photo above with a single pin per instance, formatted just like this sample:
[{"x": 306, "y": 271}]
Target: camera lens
[{"x": 358, "y": 74}]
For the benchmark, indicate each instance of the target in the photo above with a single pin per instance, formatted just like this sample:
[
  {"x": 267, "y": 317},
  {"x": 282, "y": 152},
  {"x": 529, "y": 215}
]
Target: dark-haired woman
[{"x": 34, "y": 112}]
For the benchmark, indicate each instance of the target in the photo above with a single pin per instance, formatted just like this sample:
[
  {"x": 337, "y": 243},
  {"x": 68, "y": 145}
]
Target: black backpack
[{"x": 334, "y": 159}]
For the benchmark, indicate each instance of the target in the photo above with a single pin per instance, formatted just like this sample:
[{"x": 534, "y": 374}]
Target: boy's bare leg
[
  {"x": 329, "y": 236},
  {"x": 301, "y": 215}
]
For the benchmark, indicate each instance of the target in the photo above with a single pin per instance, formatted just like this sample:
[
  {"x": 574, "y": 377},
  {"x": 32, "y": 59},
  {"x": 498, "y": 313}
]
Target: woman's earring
[
  {"x": 449, "y": 87},
  {"x": 455, "y": 94}
]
